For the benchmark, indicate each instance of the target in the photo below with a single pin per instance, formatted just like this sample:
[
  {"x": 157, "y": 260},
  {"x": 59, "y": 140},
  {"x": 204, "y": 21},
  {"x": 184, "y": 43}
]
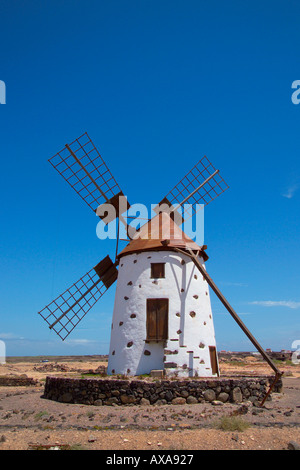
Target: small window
[{"x": 157, "y": 270}]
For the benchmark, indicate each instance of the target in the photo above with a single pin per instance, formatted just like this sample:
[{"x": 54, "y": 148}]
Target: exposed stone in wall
[{"x": 125, "y": 392}]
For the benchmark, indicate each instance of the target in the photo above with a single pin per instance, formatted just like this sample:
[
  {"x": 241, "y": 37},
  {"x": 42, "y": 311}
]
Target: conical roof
[{"x": 161, "y": 233}]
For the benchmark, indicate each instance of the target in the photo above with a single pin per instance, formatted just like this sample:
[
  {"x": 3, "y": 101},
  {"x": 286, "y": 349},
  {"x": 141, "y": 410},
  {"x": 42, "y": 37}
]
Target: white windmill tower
[{"x": 162, "y": 315}]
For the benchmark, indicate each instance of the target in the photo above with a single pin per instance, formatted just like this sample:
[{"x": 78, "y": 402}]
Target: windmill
[{"x": 162, "y": 315}]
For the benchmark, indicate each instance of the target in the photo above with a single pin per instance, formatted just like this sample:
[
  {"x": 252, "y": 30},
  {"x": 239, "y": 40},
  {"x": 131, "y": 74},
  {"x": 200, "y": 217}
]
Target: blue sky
[{"x": 157, "y": 85}]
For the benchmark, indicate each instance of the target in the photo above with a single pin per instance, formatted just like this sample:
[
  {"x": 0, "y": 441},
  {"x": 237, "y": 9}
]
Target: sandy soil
[
  {"x": 74, "y": 368},
  {"x": 27, "y": 421}
]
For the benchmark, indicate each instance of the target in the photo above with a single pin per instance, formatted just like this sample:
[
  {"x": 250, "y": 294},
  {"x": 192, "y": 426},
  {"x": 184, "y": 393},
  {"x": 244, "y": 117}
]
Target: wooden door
[
  {"x": 213, "y": 360},
  {"x": 157, "y": 319}
]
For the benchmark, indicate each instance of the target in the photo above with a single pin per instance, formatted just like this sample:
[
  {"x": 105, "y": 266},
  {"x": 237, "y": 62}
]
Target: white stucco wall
[{"x": 189, "y": 337}]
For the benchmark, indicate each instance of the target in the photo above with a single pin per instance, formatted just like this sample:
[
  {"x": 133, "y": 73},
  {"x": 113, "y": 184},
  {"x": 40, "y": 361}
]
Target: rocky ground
[{"x": 28, "y": 421}]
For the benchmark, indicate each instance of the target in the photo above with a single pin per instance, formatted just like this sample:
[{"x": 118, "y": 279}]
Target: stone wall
[
  {"x": 7, "y": 381},
  {"x": 125, "y": 392}
]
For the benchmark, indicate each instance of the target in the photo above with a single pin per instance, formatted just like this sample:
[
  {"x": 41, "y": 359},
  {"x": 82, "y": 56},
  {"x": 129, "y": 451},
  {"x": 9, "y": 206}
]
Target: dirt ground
[{"x": 28, "y": 421}]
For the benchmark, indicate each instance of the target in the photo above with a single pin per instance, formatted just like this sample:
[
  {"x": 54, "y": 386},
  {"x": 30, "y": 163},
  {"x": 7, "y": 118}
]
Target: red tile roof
[{"x": 161, "y": 233}]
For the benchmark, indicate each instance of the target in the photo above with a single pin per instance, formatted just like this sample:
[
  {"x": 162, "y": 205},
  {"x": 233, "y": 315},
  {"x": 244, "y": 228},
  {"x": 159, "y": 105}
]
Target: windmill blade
[
  {"x": 82, "y": 166},
  {"x": 65, "y": 312},
  {"x": 201, "y": 185}
]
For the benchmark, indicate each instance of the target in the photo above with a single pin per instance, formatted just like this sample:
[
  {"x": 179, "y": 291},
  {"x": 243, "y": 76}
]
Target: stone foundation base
[{"x": 141, "y": 392}]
